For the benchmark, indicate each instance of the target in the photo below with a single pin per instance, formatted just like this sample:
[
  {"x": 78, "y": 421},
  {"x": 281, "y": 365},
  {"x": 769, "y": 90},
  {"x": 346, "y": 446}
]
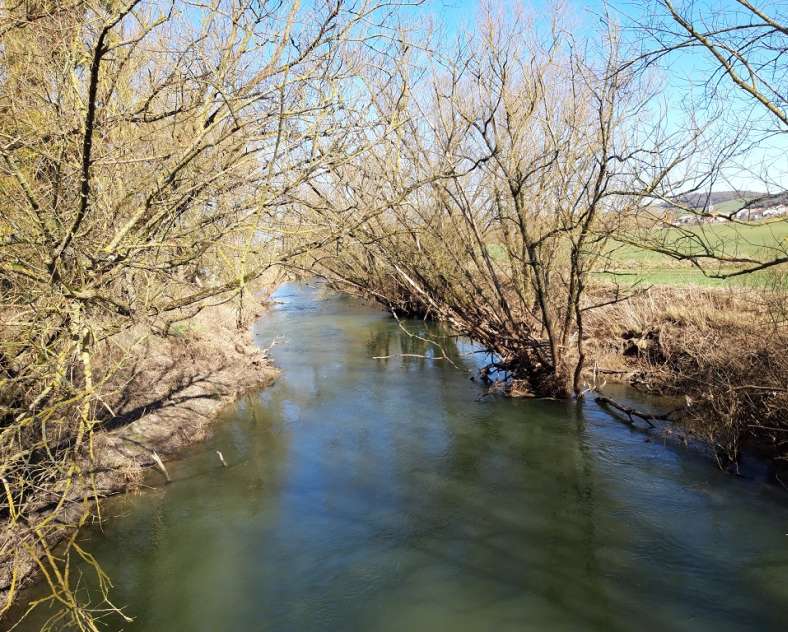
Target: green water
[{"x": 368, "y": 494}]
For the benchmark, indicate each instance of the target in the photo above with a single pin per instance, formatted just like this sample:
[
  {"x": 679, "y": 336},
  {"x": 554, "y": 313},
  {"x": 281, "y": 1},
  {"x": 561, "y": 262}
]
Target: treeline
[{"x": 508, "y": 165}]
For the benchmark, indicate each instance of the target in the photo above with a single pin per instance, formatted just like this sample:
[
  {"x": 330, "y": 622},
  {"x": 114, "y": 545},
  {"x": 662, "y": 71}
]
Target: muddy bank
[{"x": 175, "y": 388}]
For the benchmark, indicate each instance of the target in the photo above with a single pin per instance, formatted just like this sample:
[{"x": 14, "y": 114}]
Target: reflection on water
[{"x": 368, "y": 494}]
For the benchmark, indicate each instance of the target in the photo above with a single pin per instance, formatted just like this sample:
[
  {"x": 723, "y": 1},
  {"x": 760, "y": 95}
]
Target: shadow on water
[{"x": 369, "y": 494}]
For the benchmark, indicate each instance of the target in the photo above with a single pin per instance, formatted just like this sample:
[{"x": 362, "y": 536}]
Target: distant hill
[
  {"x": 767, "y": 201},
  {"x": 731, "y": 201},
  {"x": 703, "y": 200}
]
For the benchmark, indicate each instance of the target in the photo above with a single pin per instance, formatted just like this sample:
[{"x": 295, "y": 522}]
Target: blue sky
[{"x": 678, "y": 81}]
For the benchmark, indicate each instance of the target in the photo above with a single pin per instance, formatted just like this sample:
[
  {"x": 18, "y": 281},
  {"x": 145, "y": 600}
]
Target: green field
[
  {"x": 730, "y": 206},
  {"x": 757, "y": 241},
  {"x": 632, "y": 264}
]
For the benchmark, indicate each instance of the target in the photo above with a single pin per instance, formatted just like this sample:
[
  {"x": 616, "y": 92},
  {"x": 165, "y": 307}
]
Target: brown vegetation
[{"x": 723, "y": 352}]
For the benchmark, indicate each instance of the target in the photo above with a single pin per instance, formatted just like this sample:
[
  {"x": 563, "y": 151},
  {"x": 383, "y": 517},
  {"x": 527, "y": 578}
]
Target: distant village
[{"x": 752, "y": 213}]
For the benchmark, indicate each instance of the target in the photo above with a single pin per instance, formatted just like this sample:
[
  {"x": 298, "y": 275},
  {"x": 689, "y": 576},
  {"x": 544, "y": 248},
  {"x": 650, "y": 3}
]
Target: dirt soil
[{"x": 175, "y": 389}]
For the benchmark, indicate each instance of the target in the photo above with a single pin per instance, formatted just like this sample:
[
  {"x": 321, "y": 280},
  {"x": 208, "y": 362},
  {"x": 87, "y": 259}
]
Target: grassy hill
[{"x": 730, "y": 206}]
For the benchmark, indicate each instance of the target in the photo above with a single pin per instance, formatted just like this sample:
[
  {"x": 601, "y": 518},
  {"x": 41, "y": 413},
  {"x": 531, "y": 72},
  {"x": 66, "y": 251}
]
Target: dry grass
[{"x": 725, "y": 351}]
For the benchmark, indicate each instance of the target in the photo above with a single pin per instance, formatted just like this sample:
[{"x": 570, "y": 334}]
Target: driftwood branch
[{"x": 631, "y": 413}]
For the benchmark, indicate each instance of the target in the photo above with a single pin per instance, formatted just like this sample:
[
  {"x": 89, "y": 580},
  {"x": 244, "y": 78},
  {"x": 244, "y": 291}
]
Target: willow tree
[
  {"x": 147, "y": 153},
  {"x": 495, "y": 184}
]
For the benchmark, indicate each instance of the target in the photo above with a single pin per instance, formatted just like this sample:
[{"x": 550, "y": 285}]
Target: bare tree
[
  {"x": 490, "y": 196},
  {"x": 148, "y": 151}
]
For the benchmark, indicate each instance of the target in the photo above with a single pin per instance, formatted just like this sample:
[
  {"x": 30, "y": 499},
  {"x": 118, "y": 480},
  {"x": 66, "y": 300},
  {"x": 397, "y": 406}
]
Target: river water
[{"x": 383, "y": 494}]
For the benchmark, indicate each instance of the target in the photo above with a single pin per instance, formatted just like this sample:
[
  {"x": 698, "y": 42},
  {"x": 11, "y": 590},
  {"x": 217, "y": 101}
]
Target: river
[{"x": 384, "y": 494}]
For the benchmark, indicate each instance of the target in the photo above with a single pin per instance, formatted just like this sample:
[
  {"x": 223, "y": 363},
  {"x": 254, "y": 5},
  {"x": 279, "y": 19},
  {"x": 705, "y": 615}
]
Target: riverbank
[
  {"x": 161, "y": 403},
  {"x": 720, "y": 352}
]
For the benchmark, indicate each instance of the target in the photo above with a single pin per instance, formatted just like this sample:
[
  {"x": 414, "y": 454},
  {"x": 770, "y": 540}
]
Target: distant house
[
  {"x": 776, "y": 211},
  {"x": 688, "y": 220},
  {"x": 720, "y": 207},
  {"x": 750, "y": 214}
]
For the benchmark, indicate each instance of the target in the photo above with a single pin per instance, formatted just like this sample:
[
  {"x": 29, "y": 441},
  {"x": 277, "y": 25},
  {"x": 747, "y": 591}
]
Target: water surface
[{"x": 381, "y": 494}]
